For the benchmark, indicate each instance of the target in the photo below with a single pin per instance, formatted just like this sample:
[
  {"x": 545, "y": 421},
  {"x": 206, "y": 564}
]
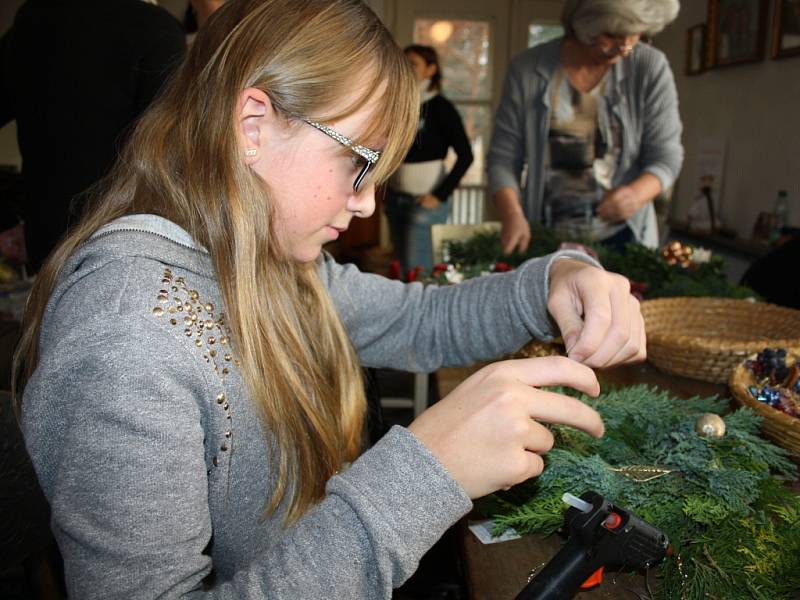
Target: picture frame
[
  {"x": 786, "y": 29},
  {"x": 696, "y": 49},
  {"x": 736, "y": 31}
]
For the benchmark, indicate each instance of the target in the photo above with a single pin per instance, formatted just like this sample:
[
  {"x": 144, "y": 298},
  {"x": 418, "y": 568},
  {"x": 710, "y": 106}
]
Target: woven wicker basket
[
  {"x": 781, "y": 428},
  {"x": 705, "y": 338}
]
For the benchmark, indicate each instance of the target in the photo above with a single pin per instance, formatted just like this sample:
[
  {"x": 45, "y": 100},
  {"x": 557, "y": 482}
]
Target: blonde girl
[{"x": 188, "y": 376}]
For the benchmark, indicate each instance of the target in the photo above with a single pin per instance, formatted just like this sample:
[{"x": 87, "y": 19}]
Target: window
[
  {"x": 539, "y": 33},
  {"x": 463, "y": 48}
]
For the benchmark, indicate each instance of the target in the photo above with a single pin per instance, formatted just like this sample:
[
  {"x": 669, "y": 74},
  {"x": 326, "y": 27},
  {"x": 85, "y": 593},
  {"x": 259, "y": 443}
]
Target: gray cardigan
[
  {"x": 641, "y": 95},
  {"x": 153, "y": 457}
]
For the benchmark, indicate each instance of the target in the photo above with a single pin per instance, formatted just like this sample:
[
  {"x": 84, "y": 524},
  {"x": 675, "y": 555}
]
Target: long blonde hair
[{"x": 184, "y": 162}]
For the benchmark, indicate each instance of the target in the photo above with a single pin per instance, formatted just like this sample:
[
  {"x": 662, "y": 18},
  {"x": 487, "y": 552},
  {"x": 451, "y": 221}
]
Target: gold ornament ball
[{"x": 710, "y": 425}]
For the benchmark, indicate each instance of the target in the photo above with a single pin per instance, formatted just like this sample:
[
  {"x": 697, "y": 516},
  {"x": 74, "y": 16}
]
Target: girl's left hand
[
  {"x": 428, "y": 201},
  {"x": 599, "y": 319}
]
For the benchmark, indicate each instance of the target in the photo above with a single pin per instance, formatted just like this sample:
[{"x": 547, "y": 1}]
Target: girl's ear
[{"x": 255, "y": 109}]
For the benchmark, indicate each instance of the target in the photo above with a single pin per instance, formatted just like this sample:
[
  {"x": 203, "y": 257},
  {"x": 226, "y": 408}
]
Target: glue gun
[{"x": 600, "y": 535}]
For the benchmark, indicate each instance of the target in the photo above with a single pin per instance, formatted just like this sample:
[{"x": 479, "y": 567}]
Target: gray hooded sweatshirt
[{"x": 154, "y": 459}]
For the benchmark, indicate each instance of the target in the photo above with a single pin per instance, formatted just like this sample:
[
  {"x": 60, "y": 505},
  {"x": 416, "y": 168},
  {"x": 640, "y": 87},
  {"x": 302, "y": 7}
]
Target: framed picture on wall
[
  {"x": 695, "y": 49},
  {"x": 786, "y": 29},
  {"x": 736, "y": 31}
]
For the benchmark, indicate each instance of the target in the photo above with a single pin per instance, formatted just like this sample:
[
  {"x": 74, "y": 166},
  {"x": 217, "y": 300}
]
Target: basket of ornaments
[{"x": 769, "y": 384}]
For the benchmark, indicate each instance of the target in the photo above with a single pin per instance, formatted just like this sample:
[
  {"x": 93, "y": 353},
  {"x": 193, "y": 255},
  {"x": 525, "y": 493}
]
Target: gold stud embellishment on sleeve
[
  {"x": 198, "y": 320},
  {"x": 207, "y": 330}
]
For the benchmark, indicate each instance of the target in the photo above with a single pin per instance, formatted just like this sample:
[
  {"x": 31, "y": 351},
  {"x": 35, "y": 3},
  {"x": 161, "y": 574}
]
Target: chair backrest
[
  {"x": 445, "y": 233},
  {"x": 468, "y": 205}
]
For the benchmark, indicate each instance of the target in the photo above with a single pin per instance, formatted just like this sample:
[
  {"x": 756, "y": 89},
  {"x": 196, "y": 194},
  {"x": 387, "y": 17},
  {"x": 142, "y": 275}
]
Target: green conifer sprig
[
  {"x": 479, "y": 253},
  {"x": 733, "y": 523}
]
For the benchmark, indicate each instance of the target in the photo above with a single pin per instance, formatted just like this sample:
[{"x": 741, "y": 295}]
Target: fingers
[
  {"x": 545, "y": 406},
  {"x": 565, "y": 303},
  {"x": 548, "y": 371},
  {"x": 522, "y": 467},
  {"x": 516, "y": 235},
  {"x": 550, "y": 407},
  {"x": 635, "y": 350},
  {"x": 524, "y": 237},
  {"x": 618, "y": 205},
  {"x": 515, "y": 239},
  {"x": 524, "y": 240},
  {"x": 508, "y": 243},
  {"x": 602, "y": 208},
  {"x": 540, "y": 440},
  {"x": 609, "y": 209},
  {"x": 599, "y": 319},
  {"x": 613, "y": 213},
  {"x": 567, "y": 312},
  {"x": 535, "y": 466},
  {"x": 488, "y": 432},
  {"x": 607, "y": 325},
  {"x": 428, "y": 201},
  {"x": 558, "y": 409}
]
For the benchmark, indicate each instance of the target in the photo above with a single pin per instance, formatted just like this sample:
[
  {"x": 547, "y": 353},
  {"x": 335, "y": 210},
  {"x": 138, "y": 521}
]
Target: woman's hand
[
  {"x": 599, "y": 319},
  {"x": 485, "y": 432},
  {"x": 428, "y": 201},
  {"x": 620, "y": 204},
  {"x": 515, "y": 233}
]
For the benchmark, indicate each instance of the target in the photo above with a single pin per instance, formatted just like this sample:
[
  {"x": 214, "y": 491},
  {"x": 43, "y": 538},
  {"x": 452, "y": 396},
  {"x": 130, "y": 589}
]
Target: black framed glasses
[{"x": 369, "y": 155}]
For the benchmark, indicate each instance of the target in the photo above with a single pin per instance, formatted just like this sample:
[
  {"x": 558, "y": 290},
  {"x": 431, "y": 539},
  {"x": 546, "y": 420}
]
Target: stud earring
[{"x": 250, "y": 152}]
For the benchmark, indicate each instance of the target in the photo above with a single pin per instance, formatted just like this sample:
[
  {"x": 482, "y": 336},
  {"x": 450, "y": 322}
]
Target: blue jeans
[{"x": 410, "y": 229}]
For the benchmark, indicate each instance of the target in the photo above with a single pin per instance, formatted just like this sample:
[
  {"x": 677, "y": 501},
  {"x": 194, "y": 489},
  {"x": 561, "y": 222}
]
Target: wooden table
[{"x": 500, "y": 571}]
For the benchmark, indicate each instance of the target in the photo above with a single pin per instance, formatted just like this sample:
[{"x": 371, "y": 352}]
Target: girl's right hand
[{"x": 485, "y": 432}]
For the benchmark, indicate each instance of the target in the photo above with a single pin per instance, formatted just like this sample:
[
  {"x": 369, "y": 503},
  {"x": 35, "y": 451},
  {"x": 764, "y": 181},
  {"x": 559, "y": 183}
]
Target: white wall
[{"x": 756, "y": 109}]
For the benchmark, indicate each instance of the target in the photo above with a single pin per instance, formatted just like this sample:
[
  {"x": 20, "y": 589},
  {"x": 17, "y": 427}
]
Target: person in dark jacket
[
  {"x": 419, "y": 191},
  {"x": 75, "y": 74},
  {"x": 771, "y": 275}
]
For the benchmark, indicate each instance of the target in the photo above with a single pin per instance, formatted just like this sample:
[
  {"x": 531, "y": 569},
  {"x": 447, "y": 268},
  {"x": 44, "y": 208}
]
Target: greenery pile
[
  {"x": 733, "y": 522},
  {"x": 646, "y": 268}
]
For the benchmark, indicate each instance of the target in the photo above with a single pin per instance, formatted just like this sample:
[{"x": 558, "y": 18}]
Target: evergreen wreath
[
  {"x": 646, "y": 268},
  {"x": 733, "y": 523}
]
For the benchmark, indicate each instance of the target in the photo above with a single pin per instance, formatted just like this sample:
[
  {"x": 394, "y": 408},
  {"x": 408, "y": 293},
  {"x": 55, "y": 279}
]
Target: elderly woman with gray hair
[{"x": 594, "y": 115}]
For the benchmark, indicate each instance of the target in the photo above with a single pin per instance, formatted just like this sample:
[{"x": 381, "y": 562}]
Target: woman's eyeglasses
[
  {"x": 620, "y": 44},
  {"x": 370, "y": 156}
]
